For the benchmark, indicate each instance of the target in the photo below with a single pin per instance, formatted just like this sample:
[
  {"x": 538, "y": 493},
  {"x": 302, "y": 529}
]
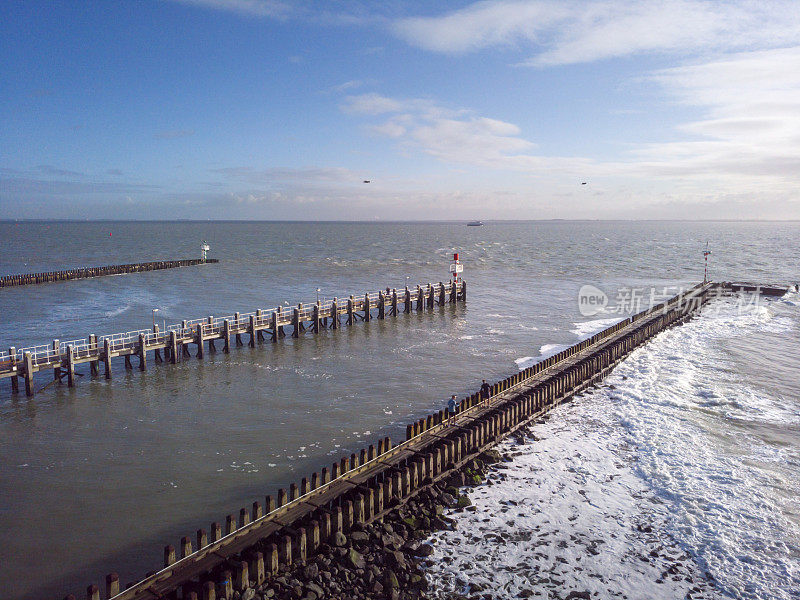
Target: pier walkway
[
  {"x": 63, "y": 356},
  {"x": 253, "y": 543}
]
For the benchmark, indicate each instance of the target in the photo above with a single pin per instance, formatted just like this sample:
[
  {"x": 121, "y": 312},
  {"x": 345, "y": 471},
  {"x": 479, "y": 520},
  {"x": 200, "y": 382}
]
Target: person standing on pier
[
  {"x": 486, "y": 392},
  {"x": 451, "y": 410}
]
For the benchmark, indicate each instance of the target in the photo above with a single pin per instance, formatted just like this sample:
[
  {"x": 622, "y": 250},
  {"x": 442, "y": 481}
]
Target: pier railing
[{"x": 175, "y": 338}]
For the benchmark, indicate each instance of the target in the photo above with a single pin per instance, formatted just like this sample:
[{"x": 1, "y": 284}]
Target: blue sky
[{"x": 251, "y": 109}]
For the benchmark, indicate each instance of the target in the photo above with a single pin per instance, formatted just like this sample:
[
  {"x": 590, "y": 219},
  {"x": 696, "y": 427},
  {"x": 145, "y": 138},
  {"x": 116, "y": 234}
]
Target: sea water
[{"x": 696, "y": 442}]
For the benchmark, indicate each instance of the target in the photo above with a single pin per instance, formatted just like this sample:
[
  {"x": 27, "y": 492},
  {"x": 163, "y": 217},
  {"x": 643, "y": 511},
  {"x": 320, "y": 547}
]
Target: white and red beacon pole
[{"x": 456, "y": 268}]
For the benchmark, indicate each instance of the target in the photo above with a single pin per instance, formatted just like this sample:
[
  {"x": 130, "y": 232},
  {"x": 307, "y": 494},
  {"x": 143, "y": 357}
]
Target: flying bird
[
  {"x": 583, "y": 183},
  {"x": 366, "y": 181}
]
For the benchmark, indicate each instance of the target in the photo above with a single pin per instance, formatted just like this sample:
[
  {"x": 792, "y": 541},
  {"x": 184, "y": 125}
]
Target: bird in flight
[
  {"x": 583, "y": 183},
  {"x": 366, "y": 181}
]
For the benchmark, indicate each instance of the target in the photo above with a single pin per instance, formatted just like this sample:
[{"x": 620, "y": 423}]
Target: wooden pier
[
  {"x": 87, "y": 272},
  {"x": 63, "y": 356},
  {"x": 254, "y": 542}
]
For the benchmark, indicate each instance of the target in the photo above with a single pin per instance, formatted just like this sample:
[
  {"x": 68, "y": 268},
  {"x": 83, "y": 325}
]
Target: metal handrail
[{"x": 46, "y": 353}]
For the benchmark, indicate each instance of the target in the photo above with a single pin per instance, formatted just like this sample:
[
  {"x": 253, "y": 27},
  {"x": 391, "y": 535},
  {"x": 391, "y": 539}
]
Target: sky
[{"x": 499, "y": 109}]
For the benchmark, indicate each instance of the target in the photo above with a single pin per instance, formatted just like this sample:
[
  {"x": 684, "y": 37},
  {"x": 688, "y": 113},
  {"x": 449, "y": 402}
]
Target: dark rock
[
  {"x": 390, "y": 580},
  {"x": 339, "y": 539},
  {"x": 311, "y": 571},
  {"x": 396, "y": 560},
  {"x": 448, "y": 500},
  {"x": 359, "y": 537},
  {"x": 314, "y": 588},
  {"x": 463, "y": 502},
  {"x": 354, "y": 560}
]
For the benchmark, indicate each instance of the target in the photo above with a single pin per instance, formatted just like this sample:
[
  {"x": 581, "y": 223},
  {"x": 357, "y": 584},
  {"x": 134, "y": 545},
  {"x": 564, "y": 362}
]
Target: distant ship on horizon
[{"x": 474, "y": 223}]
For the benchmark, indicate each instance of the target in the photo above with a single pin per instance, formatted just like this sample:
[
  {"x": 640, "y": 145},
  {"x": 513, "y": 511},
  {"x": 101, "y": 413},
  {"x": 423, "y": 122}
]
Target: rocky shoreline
[
  {"x": 389, "y": 559},
  {"x": 381, "y": 560}
]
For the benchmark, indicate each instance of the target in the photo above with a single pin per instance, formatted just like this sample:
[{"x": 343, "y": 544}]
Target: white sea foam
[
  {"x": 657, "y": 471},
  {"x": 585, "y": 329},
  {"x": 525, "y": 362}
]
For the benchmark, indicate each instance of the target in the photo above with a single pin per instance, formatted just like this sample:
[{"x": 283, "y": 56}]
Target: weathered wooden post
[
  {"x": 56, "y": 356},
  {"x": 28, "y": 360},
  {"x": 381, "y": 305},
  {"x": 420, "y": 299},
  {"x": 142, "y": 352},
  {"x": 316, "y": 320},
  {"x": 174, "y": 355},
  {"x": 251, "y": 329},
  {"x": 350, "y": 310},
  {"x": 157, "y": 351},
  {"x": 335, "y": 313},
  {"x": 281, "y": 331},
  {"x": 186, "y": 546},
  {"x": 226, "y": 336},
  {"x": 257, "y": 567},
  {"x": 169, "y": 555},
  {"x": 242, "y": 576},
  {"x": 238, "y": 325},
  {"x": 273, "y": 324},
  {"x": 296, "y": 323},
  {"x": 107, "y": 357},
  {"x": 407, "y": 301},
  {"x": 70, "y": 366},
  {"x": 12, "y": 353},
  {"x": 198, "y": 339},
  {"x": 367, "y": 315},
  {"x": 260, "y": 322},
  {"x": 301, "y": 320},
  {"x": 112, "y": 585},
  {"x": 184, "y": 346}
]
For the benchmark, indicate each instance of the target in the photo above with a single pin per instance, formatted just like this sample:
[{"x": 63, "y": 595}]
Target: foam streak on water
[{"x": 679, "y": 476}]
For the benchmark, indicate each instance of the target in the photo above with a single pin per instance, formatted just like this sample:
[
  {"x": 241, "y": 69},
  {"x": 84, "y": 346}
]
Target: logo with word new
[{"x": 591, "y": 300}]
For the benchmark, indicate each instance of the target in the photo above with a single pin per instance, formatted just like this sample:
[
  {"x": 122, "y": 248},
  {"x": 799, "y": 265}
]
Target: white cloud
[
  {"x": 751, "y": 102},
  {"x": 251, "y": 8},
  {"x": 572, "y": 31},
  {"x": 457, "y": 136},
  {"x": 746, "y": 141},
  {"x": 309, "y": 176}
]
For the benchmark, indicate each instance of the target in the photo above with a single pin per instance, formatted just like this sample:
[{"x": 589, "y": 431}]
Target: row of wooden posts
[
  {"x": 363, "y": 487},
  {"x": 87, "y": 272},
  {"x": 63, "y": 357}
]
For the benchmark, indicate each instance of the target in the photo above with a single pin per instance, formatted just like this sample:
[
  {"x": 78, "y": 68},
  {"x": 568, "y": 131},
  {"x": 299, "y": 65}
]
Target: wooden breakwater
[
  {"x": 87, "y": 272},
  {"x": 63, "y": 356},
  {"x": 757, "y": 288},
  {"x": 248, "y": 547}
]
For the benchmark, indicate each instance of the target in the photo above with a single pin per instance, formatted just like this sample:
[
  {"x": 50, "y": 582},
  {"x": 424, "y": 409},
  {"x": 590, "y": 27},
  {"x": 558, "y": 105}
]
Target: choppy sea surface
[{"x": 680, "y": 472}]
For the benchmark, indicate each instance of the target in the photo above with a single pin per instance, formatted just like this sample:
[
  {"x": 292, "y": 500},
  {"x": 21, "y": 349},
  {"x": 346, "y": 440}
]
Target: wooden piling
[
  {"x": 142, "y": 352},
  {"x": 70, "y": 366},
  {"x": 107, "y": 357},
  {"x": 28, "y": 359}
]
